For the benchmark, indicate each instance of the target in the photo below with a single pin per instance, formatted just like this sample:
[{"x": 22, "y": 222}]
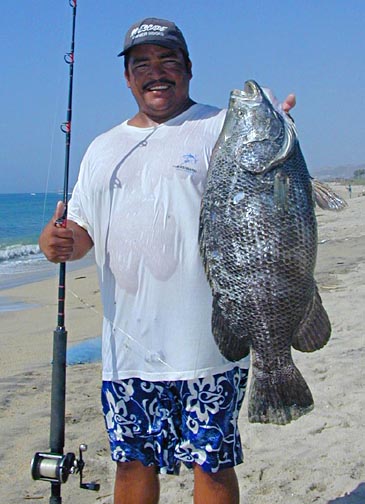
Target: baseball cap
[{"x": 154, "y": 31}]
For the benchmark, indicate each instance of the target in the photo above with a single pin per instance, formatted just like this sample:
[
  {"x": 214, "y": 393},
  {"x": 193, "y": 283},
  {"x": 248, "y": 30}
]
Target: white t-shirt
[{"x": 138, "y": 196}]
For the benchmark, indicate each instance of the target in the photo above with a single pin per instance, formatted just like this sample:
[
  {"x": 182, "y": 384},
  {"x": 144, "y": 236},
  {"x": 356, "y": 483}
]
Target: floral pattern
[{"x": 166, "y": 423}]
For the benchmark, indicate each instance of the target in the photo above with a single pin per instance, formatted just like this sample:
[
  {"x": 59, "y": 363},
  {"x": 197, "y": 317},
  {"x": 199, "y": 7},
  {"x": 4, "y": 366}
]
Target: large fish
[{"x": 258, "y": 241}]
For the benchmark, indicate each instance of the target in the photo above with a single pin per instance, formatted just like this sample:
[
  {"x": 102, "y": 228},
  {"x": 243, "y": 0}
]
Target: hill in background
[{"x": 340, "y": 172}]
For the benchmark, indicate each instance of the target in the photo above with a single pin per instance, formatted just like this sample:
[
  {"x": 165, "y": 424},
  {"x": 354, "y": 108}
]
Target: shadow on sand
[
  {"x": 357, "y": 496},
  {"x": 85, "y": 352}
]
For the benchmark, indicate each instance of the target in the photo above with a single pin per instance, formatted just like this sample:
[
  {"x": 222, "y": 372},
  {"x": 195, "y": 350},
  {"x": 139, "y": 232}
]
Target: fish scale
[{"x": 258, "y": 241}]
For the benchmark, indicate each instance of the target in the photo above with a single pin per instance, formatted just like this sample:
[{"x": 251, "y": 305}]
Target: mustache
[{"x": 159, "y": 81}]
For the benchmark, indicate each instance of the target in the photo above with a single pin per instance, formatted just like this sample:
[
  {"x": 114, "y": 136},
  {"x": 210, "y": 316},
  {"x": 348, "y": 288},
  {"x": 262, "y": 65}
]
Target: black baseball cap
[{"x": 155, "y": 31}]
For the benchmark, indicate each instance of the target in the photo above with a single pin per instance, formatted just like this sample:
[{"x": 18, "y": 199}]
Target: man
[{"x": 168, "y": 395}]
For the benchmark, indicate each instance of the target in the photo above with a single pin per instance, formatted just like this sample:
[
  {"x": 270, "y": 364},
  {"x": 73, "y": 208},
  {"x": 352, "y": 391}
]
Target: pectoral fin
[{"x": 325, "y": 198}]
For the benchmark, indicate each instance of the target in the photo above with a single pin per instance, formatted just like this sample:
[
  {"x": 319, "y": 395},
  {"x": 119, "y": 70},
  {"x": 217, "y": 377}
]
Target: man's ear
[
  {"x": 126, "y": 76},
  {"x": 189, "y": 68}
]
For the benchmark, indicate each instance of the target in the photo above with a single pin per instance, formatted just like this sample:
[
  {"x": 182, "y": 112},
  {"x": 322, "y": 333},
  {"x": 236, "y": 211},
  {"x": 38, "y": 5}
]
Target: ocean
[{"x": 22, "y": 218}]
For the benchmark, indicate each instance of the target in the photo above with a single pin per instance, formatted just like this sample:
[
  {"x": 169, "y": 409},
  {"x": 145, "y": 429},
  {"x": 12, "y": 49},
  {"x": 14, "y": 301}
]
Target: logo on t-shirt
[{"x": 187, "y": 164}]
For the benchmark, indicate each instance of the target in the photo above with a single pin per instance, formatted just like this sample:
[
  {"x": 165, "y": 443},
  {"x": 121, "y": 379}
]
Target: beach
[{"x": 318, "y": 458}]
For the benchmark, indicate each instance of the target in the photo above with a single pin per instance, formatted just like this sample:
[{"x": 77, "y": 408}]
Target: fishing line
[
  {"x": 53, "y": 135},
  {"x": 50, "y": 163},
  {"x": 119, "y": 329}
]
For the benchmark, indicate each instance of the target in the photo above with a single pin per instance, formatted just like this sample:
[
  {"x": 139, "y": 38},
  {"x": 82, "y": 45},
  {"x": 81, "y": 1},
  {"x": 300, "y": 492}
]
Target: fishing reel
[{"x": 56, "y": 468}]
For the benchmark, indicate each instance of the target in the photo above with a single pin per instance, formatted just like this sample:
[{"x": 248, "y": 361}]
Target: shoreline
[{"x": 42, "y": 271}]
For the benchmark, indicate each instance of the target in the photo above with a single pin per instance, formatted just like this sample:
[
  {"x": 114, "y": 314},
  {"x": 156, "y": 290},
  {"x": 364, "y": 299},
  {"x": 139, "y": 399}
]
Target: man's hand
[
  {"x": 289, "y": 102},
  {"x": 57, "y": 242},
  {"x": 61, "y": 244}
]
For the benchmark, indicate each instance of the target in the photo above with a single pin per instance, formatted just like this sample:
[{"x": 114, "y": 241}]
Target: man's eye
[
  {"x": 140, "y": 66},
  {"x": 171, "y": 63}
]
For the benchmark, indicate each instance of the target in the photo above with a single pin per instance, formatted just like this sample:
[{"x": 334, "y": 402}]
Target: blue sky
[{"x": 315, "y": 48}]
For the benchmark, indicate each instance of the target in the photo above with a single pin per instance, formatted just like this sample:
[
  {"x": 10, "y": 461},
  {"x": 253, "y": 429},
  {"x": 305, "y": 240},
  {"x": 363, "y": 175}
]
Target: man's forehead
[{"x": 147, "y": 50}]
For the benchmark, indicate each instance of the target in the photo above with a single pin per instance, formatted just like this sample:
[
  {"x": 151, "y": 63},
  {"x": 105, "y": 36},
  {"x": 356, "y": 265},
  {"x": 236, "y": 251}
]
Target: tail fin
[{"x": 279, "y": 396}]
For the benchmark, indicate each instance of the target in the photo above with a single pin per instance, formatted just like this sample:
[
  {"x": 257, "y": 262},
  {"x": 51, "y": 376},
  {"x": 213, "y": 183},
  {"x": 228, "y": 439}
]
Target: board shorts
[{"x": 167, "y": 423}]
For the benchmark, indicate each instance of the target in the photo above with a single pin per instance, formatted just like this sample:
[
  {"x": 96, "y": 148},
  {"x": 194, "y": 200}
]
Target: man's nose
[{"x": 156, "y": 69}]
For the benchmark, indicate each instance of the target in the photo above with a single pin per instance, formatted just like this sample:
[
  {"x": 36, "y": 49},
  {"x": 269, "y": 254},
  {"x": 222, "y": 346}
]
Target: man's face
[{"x": 159, "y": 80}]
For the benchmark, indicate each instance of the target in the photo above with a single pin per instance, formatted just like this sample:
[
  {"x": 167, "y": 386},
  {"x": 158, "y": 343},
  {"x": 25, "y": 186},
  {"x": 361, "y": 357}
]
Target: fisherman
[{"x": 168, "y": 395}]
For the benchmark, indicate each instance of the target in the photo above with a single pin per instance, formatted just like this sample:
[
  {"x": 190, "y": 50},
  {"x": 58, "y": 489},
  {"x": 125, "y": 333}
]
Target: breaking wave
[{"x": 19, "y": 252}]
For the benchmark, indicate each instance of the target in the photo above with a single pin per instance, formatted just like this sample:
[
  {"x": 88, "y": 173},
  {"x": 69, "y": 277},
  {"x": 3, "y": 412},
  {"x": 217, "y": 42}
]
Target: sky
[{"x": 314, "y": 48}]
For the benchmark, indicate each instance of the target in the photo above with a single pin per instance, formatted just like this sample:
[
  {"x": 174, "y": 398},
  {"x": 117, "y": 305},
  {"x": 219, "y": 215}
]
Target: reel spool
[
  {"x": 56, "y": 468},
  {"x": 52, "y": 467}
]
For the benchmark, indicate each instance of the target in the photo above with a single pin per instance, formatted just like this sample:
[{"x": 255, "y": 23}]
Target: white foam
[{"x": 13, "y": 252}]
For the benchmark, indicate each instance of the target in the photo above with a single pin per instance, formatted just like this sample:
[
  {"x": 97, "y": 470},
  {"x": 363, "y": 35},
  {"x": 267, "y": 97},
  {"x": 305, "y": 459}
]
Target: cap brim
[{"x": 164, "y": 43}]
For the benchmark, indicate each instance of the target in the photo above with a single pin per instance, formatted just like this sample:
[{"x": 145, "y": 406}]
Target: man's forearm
[{"x": 82, "y": 241}]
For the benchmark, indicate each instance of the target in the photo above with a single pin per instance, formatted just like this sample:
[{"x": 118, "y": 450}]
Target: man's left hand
[{"x": 289, "y": 102}]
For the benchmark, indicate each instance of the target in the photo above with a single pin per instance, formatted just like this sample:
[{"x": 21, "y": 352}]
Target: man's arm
[{"x": 61, "y": 244}]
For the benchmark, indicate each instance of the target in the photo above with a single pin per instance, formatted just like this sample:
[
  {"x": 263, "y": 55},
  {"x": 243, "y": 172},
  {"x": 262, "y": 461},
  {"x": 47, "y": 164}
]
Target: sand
[{"x": 316, "y": 459}]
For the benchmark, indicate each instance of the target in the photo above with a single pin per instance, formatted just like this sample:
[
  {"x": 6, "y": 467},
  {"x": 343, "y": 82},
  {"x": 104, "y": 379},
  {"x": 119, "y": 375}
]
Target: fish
[{"x": 258, "y": 243}]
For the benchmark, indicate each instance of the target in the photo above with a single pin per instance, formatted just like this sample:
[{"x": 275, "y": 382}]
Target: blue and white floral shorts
[{"x": 168, "y": 422}]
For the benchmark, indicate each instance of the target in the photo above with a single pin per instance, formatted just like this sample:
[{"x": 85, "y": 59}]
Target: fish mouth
[
  {"x": 251, "y": 98},
  {"x": 250, "y": 92}
]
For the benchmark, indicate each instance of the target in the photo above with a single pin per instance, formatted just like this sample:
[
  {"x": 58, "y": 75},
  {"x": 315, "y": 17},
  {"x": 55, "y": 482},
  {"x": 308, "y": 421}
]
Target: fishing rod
[{"x": 56, "y": 466}]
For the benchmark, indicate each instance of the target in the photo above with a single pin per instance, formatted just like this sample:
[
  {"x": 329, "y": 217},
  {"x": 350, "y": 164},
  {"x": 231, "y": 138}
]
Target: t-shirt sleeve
[{"x": 79, "y": 207}]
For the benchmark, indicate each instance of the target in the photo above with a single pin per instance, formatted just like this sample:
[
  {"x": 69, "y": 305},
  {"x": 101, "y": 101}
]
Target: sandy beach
[{"x": 316, "y": 459}]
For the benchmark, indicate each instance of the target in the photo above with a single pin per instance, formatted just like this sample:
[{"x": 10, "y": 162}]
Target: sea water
[{"x": 22, "y": 218}]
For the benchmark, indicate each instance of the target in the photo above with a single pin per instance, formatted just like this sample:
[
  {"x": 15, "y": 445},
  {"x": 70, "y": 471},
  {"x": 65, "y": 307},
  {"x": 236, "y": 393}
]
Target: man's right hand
[
  {"x": 55, "y": 241},
  {"x": 61, "y": 244}
]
